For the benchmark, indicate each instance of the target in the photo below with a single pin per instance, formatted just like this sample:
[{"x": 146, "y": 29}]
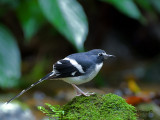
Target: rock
[
  {"x": 95, "y": 107},
  {"x": 99, "y": 107},
  {"x": 15, "y": 111}
]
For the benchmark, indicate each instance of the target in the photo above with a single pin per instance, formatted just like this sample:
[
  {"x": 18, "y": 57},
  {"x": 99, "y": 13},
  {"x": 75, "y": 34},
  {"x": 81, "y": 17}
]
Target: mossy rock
[
  {"x": 99, "y": 107},
  {"x": 95, "y": 107}
]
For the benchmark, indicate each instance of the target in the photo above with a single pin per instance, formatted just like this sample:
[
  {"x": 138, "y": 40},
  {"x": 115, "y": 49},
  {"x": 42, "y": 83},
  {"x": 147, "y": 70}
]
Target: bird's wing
[{"x": 67, "y": 68}]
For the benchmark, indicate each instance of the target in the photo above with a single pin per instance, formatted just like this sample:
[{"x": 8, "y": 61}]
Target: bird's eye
[{"x": 100, "y": 54}]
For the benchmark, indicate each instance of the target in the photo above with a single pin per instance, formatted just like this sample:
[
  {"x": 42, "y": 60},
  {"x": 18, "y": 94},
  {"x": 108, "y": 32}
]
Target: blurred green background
[{"x": 34, "y": 34}]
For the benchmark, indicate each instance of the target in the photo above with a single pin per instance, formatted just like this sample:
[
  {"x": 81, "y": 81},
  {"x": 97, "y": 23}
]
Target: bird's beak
[{"x": 106, "y": 56}]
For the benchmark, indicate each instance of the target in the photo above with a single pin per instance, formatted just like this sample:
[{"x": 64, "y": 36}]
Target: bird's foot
[{"x": 80, "y": 92}]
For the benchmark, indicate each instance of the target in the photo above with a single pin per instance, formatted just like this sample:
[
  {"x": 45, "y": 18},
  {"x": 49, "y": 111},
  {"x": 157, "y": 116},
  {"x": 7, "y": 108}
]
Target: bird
[{"x": 75, "y": 69}]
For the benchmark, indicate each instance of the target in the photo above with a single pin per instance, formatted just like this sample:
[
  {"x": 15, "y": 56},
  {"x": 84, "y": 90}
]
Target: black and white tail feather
[{"x": 48, "y": 76}]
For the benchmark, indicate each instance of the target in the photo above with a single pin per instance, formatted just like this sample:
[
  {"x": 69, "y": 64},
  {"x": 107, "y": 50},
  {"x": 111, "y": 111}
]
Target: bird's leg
[{"x": 80, "y": 92}]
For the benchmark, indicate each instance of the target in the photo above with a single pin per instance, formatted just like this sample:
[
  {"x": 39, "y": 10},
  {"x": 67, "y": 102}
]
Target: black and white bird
[{"x": 75, "y": 69}]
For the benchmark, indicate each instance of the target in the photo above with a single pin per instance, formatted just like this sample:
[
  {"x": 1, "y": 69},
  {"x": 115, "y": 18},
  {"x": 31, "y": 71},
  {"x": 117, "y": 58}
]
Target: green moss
[{"x": 98, "y": 107}]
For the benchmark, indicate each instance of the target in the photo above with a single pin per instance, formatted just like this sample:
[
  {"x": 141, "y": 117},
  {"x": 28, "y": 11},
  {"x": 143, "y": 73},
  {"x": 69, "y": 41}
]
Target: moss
[{"x": 98, "y": 107}]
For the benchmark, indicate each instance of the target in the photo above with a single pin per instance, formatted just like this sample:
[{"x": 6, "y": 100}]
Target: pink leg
[{"x": 80, "y": 92}]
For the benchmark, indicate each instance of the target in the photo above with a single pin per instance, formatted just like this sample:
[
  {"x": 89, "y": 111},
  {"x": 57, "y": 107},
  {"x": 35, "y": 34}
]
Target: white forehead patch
[{"x": 104, "y": 53}]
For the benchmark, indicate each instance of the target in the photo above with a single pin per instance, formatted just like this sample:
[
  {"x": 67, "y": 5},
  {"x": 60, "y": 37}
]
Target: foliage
[
  {"x": 128, "y": 7},
  {"x": 32, "y": 20},
  {"x": 66, "y": 16},
  {"x": 69, "y": 19},
  {"x": 96, "y": 107},
  {"x": 131, "y": 8},
  {"x": 9, "y": 59},
  {"x": 54, "y": 112}
]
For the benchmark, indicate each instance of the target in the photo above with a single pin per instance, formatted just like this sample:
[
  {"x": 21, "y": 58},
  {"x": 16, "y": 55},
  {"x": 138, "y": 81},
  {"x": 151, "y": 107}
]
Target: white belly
[{"x": 85, "y": 78}]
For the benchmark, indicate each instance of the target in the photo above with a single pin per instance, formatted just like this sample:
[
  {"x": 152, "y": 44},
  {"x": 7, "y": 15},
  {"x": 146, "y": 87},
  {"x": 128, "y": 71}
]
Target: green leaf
[
  {"x": 41, "y": 108},
  {"x": 9, "y": 59},
  {"x": 145, "y": 4},
  {"x": 54, "y": 112},
  {"x": 127, "y": 7},
  {"x": 7, "y": 5},
  {"x": 156, "y": 4},
  {"x": 31, "y": 17},
  {"x": 69, "y": 19}
]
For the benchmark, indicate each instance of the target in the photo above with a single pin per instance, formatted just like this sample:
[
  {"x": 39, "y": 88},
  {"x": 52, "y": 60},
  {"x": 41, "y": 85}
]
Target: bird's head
[{"x": 100, "y": 54}]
